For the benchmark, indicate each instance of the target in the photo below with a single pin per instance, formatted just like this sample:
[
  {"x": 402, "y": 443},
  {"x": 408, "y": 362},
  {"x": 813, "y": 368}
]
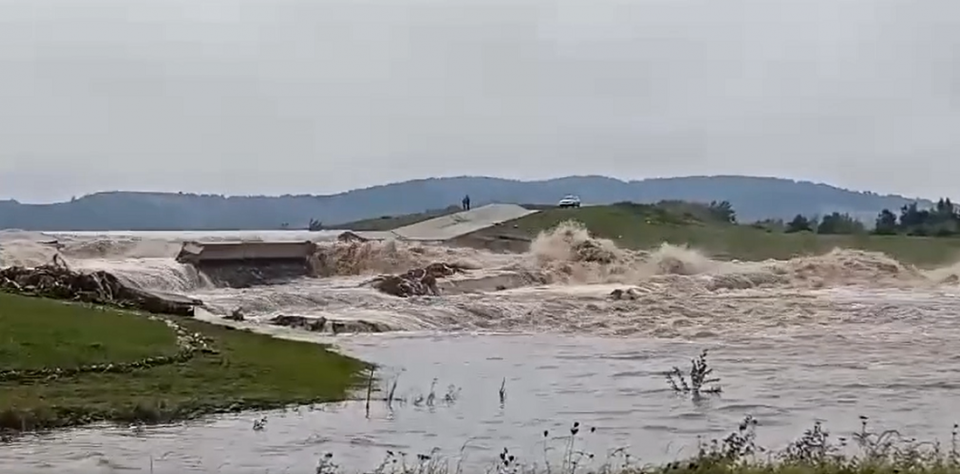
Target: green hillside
[
  {"x": 754, "y": 198},
  {"x": 645, "y": 226}
]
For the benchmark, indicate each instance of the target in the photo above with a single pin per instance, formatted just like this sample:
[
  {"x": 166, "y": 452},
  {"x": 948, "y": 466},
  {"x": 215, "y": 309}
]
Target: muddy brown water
[{"x": 828, "y": 338}]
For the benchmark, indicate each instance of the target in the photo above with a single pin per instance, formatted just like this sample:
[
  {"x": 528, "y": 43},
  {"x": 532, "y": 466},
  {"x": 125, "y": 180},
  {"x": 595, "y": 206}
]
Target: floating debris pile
[
  {"x": 416, "y": 282},
  {"x": 590, "y": 251},
  {"x": 625, "y": 294},
  {"x": 58, "y": 281},
  {"x": 333, "y": 326}
]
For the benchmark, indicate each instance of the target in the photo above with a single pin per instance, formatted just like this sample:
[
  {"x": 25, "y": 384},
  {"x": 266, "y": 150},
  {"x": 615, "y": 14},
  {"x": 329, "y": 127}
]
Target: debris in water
[
  {"x": 416, "y": 282},
  {"x": 235, "y": 315},
  {"x": 259, "y": 424},
  {"x": 321, "y": 324},
  {"x": 57, "y": 281},
  {"x": 503, "y": 391},
  {"x": 627, "y": 294}
]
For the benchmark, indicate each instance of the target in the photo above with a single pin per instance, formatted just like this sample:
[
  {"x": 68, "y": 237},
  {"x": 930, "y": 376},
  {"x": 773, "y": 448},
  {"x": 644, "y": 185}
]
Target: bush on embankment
[{"x": 67, "y": 364}]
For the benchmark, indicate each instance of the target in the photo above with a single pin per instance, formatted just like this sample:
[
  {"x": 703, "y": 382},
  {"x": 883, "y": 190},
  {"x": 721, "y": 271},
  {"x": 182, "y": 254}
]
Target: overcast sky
[{"x": 320, "y": 96}]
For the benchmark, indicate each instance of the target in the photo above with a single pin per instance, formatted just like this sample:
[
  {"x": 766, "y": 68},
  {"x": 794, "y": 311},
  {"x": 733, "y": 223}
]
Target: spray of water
[{"x": 563, "y": 283}]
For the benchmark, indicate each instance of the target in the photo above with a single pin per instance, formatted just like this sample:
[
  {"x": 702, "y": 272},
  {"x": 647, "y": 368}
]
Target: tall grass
[{"x": 815, "y": 451}]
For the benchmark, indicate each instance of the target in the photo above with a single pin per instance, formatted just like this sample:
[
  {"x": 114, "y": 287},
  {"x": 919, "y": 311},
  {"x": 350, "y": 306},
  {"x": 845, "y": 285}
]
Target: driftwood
[
  {"x": 589, "y": 251},
  {"x": 322, "y": 324},
  {"x": 416, "y": 282},
  {"x": 624, "y": 294},
  {"x": 57, "y": 281}
]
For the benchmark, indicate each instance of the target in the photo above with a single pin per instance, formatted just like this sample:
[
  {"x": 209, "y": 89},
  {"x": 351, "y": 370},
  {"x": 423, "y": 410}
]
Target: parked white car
[{"x": 569, "y": 200}]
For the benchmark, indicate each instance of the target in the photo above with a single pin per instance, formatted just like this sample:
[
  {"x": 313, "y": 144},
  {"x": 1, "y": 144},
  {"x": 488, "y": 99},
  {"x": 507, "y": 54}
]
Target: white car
[{"x": 569, "y": 201}]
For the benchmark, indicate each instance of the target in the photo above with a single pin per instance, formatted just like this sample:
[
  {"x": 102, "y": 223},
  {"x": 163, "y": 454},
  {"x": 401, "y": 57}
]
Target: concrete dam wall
[{"x": 244, "y": 264}]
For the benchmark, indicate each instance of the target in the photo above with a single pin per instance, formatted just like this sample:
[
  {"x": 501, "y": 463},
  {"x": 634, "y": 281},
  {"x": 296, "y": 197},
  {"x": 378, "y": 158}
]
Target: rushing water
[{"x": 831, "y": 338}]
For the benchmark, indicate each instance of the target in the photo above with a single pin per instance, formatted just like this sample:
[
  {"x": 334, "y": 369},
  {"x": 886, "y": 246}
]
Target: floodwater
[{"x": 821, "y": 338}]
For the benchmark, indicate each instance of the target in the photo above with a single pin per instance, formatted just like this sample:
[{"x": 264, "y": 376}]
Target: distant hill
[{"x": 753, "y": 198}]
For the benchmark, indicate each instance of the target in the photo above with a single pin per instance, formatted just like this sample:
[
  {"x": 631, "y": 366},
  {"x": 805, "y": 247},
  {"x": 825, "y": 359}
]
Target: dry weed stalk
[{"x": 698, "y": 382}]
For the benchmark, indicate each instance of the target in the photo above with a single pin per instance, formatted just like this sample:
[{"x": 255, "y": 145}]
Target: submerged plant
[
  {"x": 393, "y": 393},
  {"x": 325, "y": 465},
  {"x": 259, "y": 425},
  {"x": 503, "y": 392},
  {"x": 698, "y": 381}
]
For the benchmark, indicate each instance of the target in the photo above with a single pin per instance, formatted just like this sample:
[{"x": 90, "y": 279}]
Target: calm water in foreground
[{"x": 901, "y": 373}]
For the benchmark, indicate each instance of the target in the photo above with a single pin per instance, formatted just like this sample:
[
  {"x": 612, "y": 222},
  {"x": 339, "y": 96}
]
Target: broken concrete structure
[
  {"x": 243, "y": 264},
  {"x": 246, "y": 263}
]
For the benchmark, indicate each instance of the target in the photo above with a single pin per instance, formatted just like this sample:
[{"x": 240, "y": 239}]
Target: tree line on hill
[
  {"x": 753, "y": 197},
  {"x": 941, "y": 220}
]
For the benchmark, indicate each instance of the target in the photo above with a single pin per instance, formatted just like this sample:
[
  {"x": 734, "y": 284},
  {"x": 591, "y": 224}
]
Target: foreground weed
[{"x": 814, "y": 452}]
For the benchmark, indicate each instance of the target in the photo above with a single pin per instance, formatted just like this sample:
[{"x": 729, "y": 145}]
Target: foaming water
[
  {"x": 831, "y": 336},
  {"x": 144, "y": 259},
  {"x": 571, "y": 255},
  {"x": 562, "y": 284}
]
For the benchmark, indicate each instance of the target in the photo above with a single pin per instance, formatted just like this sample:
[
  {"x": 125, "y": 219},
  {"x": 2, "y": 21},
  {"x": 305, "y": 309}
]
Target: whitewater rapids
[
  {"x": 562, "y": 284},
  {"x": 832, "y": 337}
]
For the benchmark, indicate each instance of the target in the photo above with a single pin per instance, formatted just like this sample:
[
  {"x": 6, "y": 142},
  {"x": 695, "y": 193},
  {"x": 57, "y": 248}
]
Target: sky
[{"x": 322, "y": 96}]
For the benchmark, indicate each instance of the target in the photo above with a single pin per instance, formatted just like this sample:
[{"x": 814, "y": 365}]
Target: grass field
[
  {"x": 642, "y": 226},
  {"x": 637, "y": 228},
  {"x": 247, "y": 371}
]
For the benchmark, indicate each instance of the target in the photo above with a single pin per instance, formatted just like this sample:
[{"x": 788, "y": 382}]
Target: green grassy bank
[
  {"x": 126, "y": 367},
  {"x": 641, "y": 227},
  {"x": 646, "y": 226}
]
